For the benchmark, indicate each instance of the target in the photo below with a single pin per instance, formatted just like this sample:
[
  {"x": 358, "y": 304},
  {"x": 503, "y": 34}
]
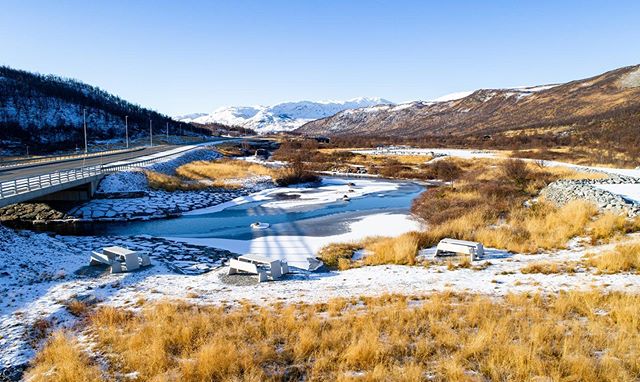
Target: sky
[{"x": 180, "y": 57}]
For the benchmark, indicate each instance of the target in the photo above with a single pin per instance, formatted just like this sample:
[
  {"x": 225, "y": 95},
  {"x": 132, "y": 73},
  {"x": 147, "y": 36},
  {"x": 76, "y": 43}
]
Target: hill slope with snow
[
  {"x": 285, "y": 116},
  {"x": 45, "y": 112},
  {"x": 606, "y": 103}
]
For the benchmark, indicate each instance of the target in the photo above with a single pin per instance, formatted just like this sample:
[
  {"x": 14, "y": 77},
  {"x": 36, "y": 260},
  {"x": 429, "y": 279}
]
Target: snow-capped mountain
[{"x": 285, "y": 116}]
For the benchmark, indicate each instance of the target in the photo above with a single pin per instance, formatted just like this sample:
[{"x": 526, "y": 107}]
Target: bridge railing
[
  {"x": 25, "y": 185},
  {"x": 58, "y": 158}
]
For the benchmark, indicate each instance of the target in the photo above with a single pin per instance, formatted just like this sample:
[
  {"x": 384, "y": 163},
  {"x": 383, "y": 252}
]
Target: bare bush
[{"x": 516, "y": 170}]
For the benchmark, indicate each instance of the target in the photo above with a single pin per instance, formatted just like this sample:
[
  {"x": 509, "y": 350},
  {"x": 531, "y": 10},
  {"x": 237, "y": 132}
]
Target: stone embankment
[{"x": 563, "y": 191}]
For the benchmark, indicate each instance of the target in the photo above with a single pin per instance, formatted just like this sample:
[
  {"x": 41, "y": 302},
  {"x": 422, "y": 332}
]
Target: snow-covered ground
[
  {"x": 460, "y": 153},
  {"x": 36, "y": 285}
]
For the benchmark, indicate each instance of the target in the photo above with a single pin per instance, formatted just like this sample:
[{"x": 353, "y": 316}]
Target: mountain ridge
[
  {"x": 284, "y": 116},
  {"x": 567, "y": 106}
]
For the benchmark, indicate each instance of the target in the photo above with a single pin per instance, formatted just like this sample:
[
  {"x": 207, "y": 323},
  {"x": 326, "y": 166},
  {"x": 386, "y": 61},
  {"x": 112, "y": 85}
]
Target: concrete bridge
[{"x": 74, "y": 179}]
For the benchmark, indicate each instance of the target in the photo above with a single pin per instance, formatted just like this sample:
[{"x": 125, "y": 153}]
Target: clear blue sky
[{"x": 194, "y": 56}]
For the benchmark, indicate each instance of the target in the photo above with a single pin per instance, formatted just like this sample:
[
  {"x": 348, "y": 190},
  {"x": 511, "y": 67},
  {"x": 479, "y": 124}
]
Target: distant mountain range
[
  {"x": 605, "y": 107},
  {"x": 45, "y": 112},
  {"x": 285, "y": 116}
]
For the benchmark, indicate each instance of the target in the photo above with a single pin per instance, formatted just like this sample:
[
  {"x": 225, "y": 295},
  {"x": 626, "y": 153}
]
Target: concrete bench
[
  {"x": 276, "y": 268},
  {"x": 243, "y": 266},
  {"x": 256, "y": 264},
  {"x": 115, "y": 257},
  {"x": 473, "y": 249}
]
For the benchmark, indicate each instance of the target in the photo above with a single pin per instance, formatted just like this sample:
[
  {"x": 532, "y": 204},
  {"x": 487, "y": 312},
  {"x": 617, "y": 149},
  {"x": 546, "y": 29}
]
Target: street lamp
[
  {"x": 150, "y": 133},
  {"x": 126, "y": 129},
  {"x": 167, "y": 132},
  {"x": 84, "y": 120}
]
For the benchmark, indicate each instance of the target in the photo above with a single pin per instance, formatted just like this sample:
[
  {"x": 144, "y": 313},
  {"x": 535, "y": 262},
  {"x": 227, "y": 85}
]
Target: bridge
[{"x": 74, "y": 178}]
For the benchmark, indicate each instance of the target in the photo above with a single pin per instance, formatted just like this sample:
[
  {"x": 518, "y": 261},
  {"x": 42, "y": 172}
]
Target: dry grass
[
  {"x": 562, "y": 172},
  {"x": 445, "y": 337},
  {"x": 338, "y": 255},
  {"x": 61, "y": 360},
  {"x": 582, "y": 155},
  {"x": 159, "y": 181},
  {"x": 77, "y": 308},
  {"x": 541, "y": 227},
  {"x": 380, "y": 250},
  {"x": 610, "y": 226},
  {"x": 398, "y": 250},
  {"x": 624, "y": 258},
  {"x": 547, "y": 268},
  {"x": 221, "y": 172},
  {"x": 487, "y": 204}
]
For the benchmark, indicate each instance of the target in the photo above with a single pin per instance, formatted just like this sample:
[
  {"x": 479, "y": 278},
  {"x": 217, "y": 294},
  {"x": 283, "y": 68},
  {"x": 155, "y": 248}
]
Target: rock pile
[
  {"x": 563, "y": 191},
  {"x": 31, "y": 212}
]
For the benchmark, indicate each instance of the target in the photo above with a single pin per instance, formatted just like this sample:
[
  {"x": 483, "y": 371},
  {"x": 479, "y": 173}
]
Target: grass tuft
[
  {"x": 547, "y": 268},
  {"x": 61, "y": 360},
  {"x": 624, "y": 258}
]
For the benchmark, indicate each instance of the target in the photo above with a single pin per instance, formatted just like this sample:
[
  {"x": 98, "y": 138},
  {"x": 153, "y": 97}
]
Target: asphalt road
[{"x": 46, "y": 168}]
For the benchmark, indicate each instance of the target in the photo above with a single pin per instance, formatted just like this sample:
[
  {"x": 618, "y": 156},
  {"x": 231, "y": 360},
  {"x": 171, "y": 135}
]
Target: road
[{"x": 47, "y": 168}]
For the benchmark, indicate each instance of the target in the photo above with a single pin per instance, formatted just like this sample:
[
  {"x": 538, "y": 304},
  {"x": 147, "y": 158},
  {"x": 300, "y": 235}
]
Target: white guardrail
[
  {"x": 58, "y": 158},
  {"x": 25, "y": 185}
]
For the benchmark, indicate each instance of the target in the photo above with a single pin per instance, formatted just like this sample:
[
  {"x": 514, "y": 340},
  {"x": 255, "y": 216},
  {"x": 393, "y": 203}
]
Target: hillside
[
  {"x": 602, "y": 108},
  {"x": 285, "y": 116},
  {"x": 45, "y": 112}
]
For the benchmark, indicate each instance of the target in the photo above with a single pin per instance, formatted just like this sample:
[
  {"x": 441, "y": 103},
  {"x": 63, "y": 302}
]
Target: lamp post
[
  {"x": 150, "y": 133},
  {"x": 167, "y": 132},
  {"x": 126, "y": 129},
  {"x": 84, "y": 122}
]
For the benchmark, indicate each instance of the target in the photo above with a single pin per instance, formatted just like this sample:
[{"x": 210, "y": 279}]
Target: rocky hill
[
  {"x": 46, "y": 113},
  {"x": 587, "y": 108}
]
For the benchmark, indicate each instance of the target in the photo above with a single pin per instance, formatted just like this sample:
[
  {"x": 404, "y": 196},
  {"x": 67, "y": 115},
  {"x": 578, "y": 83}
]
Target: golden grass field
[
  {"x": 575, "y": 336},
  {"x": 223, "y": 172}
]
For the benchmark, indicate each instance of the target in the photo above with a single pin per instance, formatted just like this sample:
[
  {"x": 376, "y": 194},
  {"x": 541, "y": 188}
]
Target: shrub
[
  {"x": 516, "y": 171},
  {"x": 446, "y": 170},
  {"x": 295, "y": 173},
  {"x": 332, "y": 254},
  {"x": 77, "y": 308}
]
